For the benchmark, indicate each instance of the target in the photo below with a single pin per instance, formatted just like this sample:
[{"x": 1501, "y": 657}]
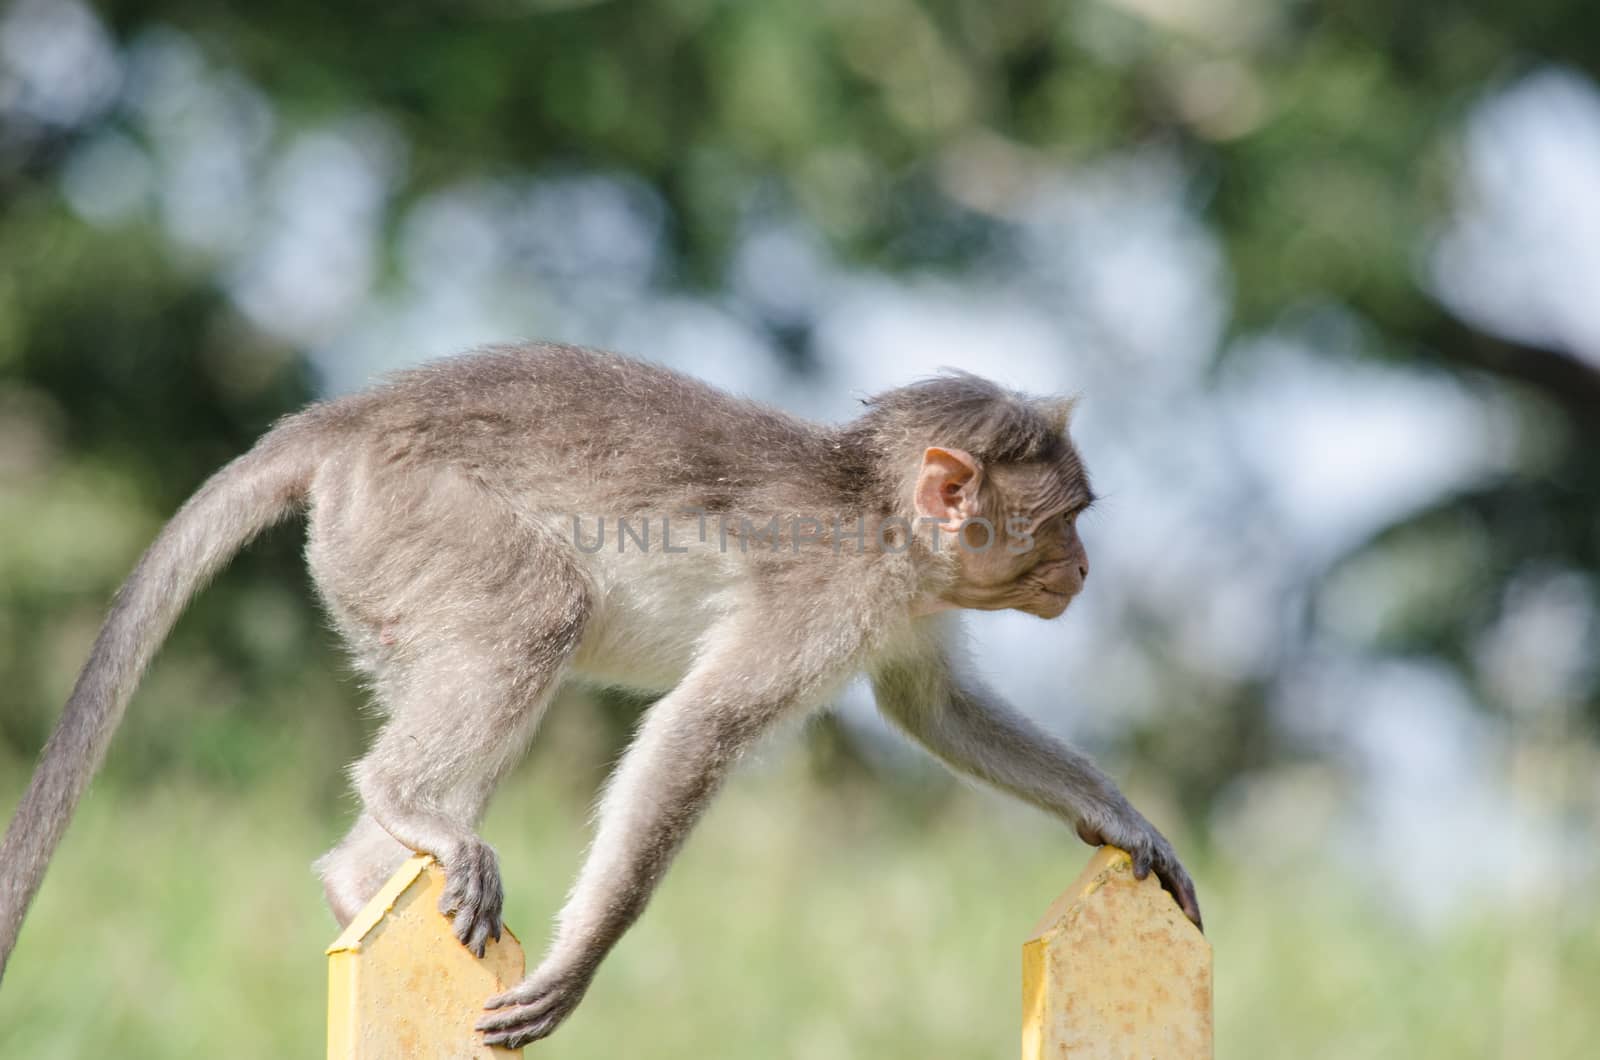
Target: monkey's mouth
[{"x": 1051, "y": 602}]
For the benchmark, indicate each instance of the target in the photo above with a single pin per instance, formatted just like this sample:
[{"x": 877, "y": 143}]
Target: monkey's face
[
  {"x": 1037, "y": 568},
  {"x": 1016, "y": 527}
]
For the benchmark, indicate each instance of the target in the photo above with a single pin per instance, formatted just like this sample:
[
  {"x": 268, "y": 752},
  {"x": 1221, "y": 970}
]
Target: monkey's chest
[{"x": 653, "y": 615}]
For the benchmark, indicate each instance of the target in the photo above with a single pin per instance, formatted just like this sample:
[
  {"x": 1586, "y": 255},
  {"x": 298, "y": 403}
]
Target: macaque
[{"x": 483, "y": 528}]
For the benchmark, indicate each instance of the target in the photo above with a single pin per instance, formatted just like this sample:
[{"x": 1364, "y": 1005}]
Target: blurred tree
[
  {"x": 1318, "y": 137},
  {"x": 126, "y": 381}
]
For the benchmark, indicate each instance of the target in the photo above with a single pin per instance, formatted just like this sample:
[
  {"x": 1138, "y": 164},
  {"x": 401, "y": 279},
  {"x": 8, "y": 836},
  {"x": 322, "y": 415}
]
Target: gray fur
[{"x": 439, "y": 534}]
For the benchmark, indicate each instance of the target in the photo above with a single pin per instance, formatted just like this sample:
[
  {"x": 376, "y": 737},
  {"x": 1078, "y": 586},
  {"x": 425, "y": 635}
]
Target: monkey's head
[
  {"x": 995, "y": 477},
  {"x": 1014, "y": 528}
]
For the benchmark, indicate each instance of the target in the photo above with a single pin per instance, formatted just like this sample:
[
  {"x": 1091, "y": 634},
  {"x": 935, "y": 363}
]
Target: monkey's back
[
  {"x": 589, "y": 431},
  {"x": 462, "y": 488}
]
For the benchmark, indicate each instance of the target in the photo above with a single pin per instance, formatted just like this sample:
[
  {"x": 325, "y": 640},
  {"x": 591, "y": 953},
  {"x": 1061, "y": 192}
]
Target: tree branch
[{"x": 1569, "y": 381}]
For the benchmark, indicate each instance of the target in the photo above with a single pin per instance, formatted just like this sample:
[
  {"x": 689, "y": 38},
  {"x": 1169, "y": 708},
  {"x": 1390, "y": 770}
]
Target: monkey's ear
[
  {"x": 1059, "y": 412},
  {"x": 947, "y": 487}
]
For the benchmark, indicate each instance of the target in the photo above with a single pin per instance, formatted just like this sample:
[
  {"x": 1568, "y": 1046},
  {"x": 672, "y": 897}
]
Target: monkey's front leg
[
  {"x": 973, "y": 731},
  {"x": 683, "y": 751}
]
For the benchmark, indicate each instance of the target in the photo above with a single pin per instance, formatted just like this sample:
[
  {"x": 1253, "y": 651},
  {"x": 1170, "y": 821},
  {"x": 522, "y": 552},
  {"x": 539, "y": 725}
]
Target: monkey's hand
[
  {"x": 535, "y": 1007},
  {"x": 472, "y": 895},
  {"x": 1125, "y": 827}
]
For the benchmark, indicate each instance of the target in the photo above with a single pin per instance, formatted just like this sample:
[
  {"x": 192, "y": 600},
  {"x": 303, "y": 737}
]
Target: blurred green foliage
[
  {"x": 1320, "y": 140},
  {"x": 804, "y": 922}
]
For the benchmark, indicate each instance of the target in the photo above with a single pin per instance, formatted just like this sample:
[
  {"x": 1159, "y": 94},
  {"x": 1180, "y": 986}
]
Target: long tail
[{"x": 238, "y": 502}]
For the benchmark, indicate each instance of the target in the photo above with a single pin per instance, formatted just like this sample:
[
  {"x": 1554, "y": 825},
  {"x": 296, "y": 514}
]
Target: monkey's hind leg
[
  {"x": 427, "y": 780},
  {"x": 353, "y": 871},
  {"x": 461, "y": 710}
]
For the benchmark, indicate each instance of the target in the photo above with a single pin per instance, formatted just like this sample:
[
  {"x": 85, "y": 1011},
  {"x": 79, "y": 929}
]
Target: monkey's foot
[
  {"x": 534, "y": 1008},
  {"x": 472, "y": 894}
]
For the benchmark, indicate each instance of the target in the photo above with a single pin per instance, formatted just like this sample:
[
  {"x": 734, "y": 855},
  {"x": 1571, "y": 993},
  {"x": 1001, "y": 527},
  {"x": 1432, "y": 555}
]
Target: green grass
[{"x": 817, "y": 924}]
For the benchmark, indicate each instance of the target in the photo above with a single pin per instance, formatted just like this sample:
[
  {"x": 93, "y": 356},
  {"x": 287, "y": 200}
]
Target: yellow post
[
  {"x": 1115, "y": 970},
  {"x": 402, "y": 987}
]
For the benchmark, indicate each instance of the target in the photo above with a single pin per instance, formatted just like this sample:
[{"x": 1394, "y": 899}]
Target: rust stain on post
[
  {"x": 1115, "y": 970},
  {"x": 401, "y": 986}
]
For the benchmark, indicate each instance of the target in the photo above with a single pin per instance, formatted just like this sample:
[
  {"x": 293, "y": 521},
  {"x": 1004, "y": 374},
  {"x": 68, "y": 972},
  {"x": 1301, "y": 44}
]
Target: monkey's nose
[{"x": 1083, "y": 572}]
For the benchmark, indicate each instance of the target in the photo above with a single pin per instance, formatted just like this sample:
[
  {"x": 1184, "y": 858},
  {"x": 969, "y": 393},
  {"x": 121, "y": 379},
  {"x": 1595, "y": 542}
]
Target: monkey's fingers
[
  {"x": 534, "y": 992},
  {"x": 526, "y": 1034},
  {"x": 483, "y": 929},
  {"x": 532, "y": 1010},
  {"x": 473, "y": 897},
  {"x": 521, "y": 994},
  {"x": 515, "y": 1027},
  {"x": 471, "y": 927},
  {"x": 1177, "y": 883},
  {"x": 507, "y": 1018}
]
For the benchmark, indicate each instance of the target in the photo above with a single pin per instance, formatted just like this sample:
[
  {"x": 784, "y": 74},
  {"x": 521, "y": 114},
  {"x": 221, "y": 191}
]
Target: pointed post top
[
  {"x": 1114, "y": 969},
  {"x": 400, "y": 984}
]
